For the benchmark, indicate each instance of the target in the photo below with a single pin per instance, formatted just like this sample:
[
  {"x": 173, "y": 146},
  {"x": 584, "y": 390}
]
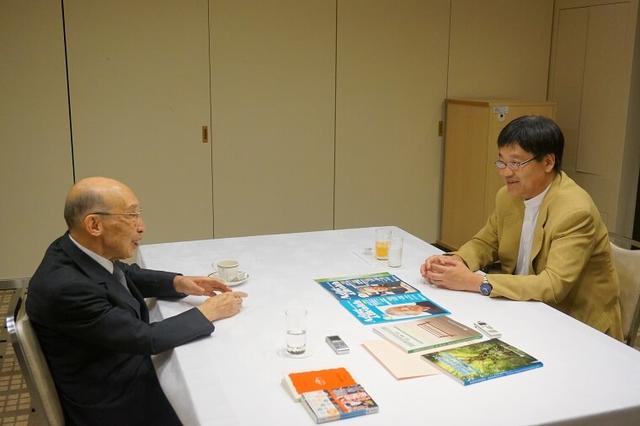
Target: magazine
[
  {"x": 380, "y": 298},
  {"x": 482, "y": 361},
  {"x": 427, "y": 333},
  {"x": 339, "y": 403}
]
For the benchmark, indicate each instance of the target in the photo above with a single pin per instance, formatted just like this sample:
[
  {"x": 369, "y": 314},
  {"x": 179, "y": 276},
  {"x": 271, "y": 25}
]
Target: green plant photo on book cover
[{"x": 482, "y": 361}]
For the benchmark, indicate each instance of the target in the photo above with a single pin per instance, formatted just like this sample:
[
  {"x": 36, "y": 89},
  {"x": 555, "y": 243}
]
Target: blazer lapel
[
  {"x": 538, "y": 232},
  {"x": 510, "y": 240},
  {"x": 101, "y": 276}
]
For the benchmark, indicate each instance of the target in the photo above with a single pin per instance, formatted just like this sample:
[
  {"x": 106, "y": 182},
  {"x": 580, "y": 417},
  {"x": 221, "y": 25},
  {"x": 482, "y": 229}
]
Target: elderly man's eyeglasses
[
  {"x": 512, "y": 165},
  {"x": 132, "y": 215}
]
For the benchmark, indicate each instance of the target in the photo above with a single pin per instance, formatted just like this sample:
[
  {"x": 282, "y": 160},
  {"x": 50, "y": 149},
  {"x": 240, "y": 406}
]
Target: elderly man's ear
[{"x": 93, "y": 225}]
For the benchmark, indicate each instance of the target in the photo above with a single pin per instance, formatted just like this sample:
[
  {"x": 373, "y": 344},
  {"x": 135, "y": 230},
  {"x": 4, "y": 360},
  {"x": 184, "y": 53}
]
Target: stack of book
[
  {"x": 444, "y": 344},
  {"x": 330, "y": 395}
]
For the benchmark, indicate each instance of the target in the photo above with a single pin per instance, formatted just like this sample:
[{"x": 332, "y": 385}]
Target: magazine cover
[
  {"x": 482, "y": 361},
  {"x": 380, "y": 298},
  {"x": 365, "y": 286},
  {"x": 427, "y": 333}
]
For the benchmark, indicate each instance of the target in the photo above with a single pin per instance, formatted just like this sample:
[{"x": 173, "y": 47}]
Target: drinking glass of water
[{"x": 296, "y": 322}]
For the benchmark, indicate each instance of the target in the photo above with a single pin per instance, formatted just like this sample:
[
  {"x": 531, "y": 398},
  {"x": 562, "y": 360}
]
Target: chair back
[
  {"x": 45, "y": 405},
  {"x": 627, "y": 263}
]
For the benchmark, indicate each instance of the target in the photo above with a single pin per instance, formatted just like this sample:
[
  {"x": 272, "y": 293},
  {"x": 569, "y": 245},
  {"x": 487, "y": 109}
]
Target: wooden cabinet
[
  {"x": 594, "y": 79},
  {"x": 391, "y": 79},
  {"x": 470, "y": 177},
  {"x": 35, "y": 150}
]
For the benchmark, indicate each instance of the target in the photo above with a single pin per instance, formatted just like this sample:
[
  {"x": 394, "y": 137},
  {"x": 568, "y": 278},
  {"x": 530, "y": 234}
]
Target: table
[{"x": 233, "y": 377}]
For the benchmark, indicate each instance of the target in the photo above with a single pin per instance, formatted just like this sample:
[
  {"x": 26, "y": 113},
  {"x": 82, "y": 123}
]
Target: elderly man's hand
[
  {"x": 199, "y": 286},
  {"x": 222, "y": 305}
]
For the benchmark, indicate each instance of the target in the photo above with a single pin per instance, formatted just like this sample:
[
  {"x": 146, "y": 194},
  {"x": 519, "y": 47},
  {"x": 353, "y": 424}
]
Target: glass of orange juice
[{"x": 383, "y": 235}]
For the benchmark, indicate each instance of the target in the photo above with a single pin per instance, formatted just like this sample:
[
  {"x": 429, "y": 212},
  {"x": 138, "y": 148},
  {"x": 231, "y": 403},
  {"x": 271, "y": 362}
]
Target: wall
[
  {"x": 630, "y": 179},
  {"x": 496, "y": 49},
  {"x": 594, "y": 79},
  {"x": 500, "y": 49},
  {"x": 35, "y": 151}
]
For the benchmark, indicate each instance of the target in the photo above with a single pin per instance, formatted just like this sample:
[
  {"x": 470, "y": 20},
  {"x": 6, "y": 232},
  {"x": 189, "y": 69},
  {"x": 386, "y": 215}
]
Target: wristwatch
[{"x": 485, "y": 287}]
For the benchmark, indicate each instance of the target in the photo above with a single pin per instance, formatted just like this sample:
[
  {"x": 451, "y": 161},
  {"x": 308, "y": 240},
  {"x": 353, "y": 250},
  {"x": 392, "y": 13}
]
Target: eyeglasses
[
  {"x": 133, "y": 215},
  {"x": 512, "y": 165}
]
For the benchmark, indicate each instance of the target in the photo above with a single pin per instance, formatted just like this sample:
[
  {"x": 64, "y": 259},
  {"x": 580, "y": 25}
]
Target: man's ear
[
  {"x": 549, "y": 162},
  {"x": 93, "y": 225}
]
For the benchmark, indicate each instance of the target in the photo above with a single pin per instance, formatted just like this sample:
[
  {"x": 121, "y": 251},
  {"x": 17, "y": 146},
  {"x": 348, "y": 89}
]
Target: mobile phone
[
  {"x": 337, "y": 344},
  {"x": 486, "y": 329}
]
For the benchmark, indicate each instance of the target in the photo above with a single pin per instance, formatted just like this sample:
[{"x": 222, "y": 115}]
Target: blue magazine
[{"x": 381, "y": 298}]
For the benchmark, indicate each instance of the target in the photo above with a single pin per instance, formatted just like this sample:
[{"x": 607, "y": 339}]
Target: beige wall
[
  {"x": 496, "y": 48},
  {"x": 631, "y": 156},
  {"x": 391, "y": 79},
  {"x": 499, "y": 49},
  {"x": 35, "y": 149},
  {"x": 594, "y": 80}
]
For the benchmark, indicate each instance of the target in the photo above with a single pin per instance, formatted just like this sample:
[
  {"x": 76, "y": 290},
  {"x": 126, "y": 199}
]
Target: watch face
[{"x": 485, "y": 288}]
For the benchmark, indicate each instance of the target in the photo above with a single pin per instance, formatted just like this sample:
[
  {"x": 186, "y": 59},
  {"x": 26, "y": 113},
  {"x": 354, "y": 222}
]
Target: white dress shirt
[
  {"x": 531, "y": 209},
  {"x": 102, "y": 261}
]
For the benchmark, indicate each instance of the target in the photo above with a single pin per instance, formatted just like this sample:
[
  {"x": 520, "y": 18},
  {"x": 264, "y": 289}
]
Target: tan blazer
[{"x": 570, "y": 268}]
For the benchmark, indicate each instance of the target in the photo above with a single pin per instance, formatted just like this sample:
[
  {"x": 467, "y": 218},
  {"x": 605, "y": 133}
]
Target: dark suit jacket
[{"x": 97, "y": 338}]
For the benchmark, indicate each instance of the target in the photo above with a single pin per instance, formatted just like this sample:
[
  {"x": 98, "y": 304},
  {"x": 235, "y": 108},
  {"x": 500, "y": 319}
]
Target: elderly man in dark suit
[{"x": 89, "y": 313}]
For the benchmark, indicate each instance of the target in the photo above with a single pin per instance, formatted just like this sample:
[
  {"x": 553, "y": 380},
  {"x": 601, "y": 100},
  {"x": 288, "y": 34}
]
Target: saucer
[{"x": 241, "y": 278}]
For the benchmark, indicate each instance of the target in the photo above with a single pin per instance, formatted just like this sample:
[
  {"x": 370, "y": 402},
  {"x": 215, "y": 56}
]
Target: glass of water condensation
[
  {"x": 296, "y": 322},
  {"x": 395, "y": 251}
]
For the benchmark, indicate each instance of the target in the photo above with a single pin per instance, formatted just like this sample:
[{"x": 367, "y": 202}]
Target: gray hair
[{"x": 77, "y": 206}]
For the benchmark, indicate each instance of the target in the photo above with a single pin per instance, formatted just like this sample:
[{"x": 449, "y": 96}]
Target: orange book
[{"x": 308, "y": 381}]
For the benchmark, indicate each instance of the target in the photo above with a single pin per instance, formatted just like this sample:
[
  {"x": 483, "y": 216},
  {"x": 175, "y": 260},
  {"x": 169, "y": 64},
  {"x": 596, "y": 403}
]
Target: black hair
[{"x": 536, "y": 134}]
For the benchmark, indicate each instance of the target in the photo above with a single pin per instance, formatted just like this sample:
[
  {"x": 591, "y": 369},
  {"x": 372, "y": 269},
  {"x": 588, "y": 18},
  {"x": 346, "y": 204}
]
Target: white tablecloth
[{"x": 233, "y": 377}]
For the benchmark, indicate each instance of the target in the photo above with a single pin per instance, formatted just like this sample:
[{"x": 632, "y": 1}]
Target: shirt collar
[
  {"x": 535, "y": 202},
  {"x": 102, "y": 261}
]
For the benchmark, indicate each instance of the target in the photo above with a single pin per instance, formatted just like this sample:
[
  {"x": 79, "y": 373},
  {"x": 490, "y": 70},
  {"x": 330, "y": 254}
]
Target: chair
[
  {"x": 45, "y": 405},
  {"x": 627, "y": 263}
]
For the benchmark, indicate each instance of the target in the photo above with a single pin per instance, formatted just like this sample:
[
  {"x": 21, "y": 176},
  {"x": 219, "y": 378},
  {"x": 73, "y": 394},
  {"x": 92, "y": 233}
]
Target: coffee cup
[{"x": 228, "y": 269}]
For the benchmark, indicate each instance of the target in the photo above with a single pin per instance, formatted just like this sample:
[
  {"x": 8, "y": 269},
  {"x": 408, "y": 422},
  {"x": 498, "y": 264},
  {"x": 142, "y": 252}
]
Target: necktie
[{"x": 119, "y": 274}]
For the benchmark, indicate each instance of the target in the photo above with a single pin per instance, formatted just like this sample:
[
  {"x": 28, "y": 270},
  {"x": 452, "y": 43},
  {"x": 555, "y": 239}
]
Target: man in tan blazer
[{"x": 545, "y": 231}]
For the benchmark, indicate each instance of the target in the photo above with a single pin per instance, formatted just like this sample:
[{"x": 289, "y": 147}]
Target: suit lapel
[
  {"x": 510, "y": 242},
  {"x": 538, "y": 231},
  {"x": 101, "y": 276}
]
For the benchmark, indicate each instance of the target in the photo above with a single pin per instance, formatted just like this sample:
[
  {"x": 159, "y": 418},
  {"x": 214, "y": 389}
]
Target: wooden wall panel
[
  {"x": 35, "y": 145},
  {"x": 273, "y": 97},
  {"x": 391, "y": 80}
]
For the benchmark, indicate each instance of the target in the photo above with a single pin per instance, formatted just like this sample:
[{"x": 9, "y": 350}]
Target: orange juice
[{"x": 382, "y": 250}]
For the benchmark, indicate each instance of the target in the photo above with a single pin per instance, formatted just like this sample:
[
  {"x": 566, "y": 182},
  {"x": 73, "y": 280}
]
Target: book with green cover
[
  {"x": 428, "y": 333},
  {"x": 481, "y": 361}
]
